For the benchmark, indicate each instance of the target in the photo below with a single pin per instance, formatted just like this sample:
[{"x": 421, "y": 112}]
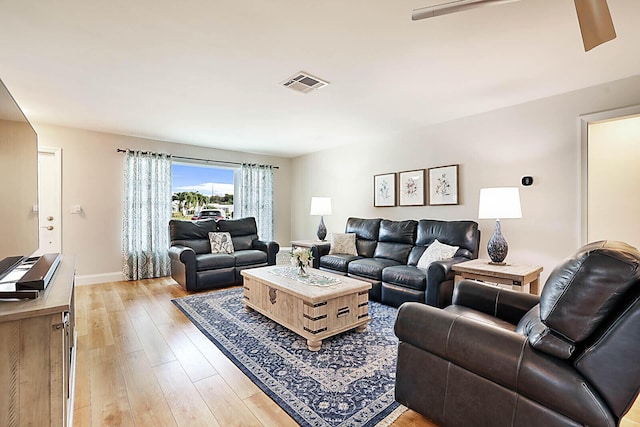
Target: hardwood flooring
[{"x": 141, "y": 362}]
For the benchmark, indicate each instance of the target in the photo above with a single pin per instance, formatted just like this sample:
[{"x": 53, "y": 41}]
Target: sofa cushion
[
  {"x": 220, "y": 242},
  {"x": 398, "y": 231},
  {"x": 193, "y": 234},
  {"x": 243, "y": 231},
  {"x": 189, "y": 230},
  {"x": 249, "y": 257},
  {"x": 463, "y": 234},
  {"x": 337, "y": 262},
  {"x": 370, "y": 268},
  {"x": 580, "y": 293},
  {"x": 436, "y": 252},
  {"x": 366, "y": 231},
  {"x": 396, "y": 240},
  {"x": 214, "y": 261},
  {"x": 343, "y": 243},
  {"x": 405, "y": 275},
  {"x": 397, "y": 252}
]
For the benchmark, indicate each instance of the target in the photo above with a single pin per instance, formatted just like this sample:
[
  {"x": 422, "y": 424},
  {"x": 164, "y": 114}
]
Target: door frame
[
  {"x": 57, "y": 155},
  {"x": 583, "y": 149}
]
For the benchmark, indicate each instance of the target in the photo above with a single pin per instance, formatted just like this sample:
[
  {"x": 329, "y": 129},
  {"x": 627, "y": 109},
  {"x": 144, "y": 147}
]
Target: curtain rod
[{"x": 120, "y": 150}]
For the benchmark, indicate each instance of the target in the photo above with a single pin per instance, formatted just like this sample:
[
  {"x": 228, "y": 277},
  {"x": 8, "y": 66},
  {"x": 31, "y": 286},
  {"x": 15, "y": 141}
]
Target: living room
[{"x": 525, "y": 122}]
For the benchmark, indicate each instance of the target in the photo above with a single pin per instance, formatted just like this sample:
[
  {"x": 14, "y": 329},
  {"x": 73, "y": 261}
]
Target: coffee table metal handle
[{"x": 343, "y": 311}]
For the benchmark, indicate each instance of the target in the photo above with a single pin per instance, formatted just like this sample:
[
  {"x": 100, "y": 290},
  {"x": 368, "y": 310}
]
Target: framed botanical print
[
  {"x": 412, "y": 188},
  {"x": 384, "y": 190},
  {"x": 443, "y": 185}
]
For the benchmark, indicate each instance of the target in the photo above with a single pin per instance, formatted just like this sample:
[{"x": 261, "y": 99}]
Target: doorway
[
  {"x": 610, "y": 154},
  {"x": 50, "y": 200}
]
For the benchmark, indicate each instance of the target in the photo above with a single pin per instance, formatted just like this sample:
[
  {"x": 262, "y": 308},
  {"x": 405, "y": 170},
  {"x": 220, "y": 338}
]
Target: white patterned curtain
[
  {"x": 256, "y": 197},
  {"x": 146, "y": 215}
]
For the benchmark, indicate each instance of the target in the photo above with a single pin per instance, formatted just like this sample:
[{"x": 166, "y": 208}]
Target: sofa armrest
[
  {"x": 184, "y": 254},
  {"x": 318, "y": 251},
  {"x": 271, "y": 248},
  {"x": 500, "y": 356},
  {"x": 502, "y": 303},
  {"x": 183, "y": 266},
  {"x": 439, "y": 286}
]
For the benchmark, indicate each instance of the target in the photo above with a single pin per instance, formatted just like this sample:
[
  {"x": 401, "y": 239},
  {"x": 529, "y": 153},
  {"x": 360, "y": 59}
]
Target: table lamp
[
  {"x": 321, "y": 206},
  {"x": 501, "y": 202}
]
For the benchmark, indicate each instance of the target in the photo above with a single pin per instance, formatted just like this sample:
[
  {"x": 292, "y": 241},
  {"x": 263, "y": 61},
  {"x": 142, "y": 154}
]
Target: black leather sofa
[
  {"x": 388, "y": 252},
  {"x": 503, "y": 358},
  {"x": 195, "y": 268}
]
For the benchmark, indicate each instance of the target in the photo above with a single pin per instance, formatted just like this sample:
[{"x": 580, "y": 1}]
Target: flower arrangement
[{"x": 301, "y": 258}]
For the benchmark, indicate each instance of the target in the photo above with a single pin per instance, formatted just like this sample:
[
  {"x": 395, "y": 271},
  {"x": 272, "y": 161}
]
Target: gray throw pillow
[{"x": 343, "y": 244}]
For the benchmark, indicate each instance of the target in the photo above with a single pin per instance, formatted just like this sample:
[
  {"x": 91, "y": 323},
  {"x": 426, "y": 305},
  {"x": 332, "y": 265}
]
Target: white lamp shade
[
  {"x": 499, "y": 203},
  {"x": 320, "y": 206}
]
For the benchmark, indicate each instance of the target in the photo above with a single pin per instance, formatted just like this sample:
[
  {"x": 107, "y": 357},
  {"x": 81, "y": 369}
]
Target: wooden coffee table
[{"x": 311, "y": 311}]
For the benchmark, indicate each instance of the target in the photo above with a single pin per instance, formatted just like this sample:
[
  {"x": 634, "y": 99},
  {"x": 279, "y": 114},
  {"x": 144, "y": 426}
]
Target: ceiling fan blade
[
  {"x": 595, "y": 21},
  {"x": 453, "y": 7}
]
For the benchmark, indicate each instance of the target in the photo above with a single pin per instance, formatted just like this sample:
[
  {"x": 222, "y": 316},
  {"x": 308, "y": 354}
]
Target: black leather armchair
[
  {"x": 501, "y": 358},
  {"x": 195, "y": 268}
]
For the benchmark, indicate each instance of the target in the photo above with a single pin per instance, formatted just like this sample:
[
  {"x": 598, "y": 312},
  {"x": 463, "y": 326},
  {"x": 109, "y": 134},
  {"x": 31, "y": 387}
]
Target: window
[{"x": 201, "y": 191}]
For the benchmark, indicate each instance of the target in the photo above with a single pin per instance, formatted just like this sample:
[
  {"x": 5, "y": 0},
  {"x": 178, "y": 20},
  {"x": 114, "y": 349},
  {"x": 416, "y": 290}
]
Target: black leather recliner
[
  {"x": 195, "y": 268},
  {"x": 496, "y": 357}
]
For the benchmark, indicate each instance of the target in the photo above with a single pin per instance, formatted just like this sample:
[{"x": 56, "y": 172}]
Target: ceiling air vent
[{"x": 303, "y": 82}]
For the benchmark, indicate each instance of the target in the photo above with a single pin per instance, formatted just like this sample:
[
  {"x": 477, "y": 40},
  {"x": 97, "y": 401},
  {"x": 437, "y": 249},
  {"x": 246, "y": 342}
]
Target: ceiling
[{"x": 209, "y": 72}]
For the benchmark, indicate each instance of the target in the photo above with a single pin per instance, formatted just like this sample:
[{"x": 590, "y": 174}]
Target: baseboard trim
[{"x": 92, "y": 279}]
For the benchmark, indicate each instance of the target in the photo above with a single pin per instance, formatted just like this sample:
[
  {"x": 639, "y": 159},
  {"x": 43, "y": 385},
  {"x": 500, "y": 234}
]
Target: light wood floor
[{"x": 141, "y": 362}]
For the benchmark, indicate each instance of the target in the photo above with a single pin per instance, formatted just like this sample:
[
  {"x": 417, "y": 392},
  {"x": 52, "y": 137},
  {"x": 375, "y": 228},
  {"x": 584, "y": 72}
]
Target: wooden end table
[
  {"x": 308, "y": 243},
  {"x": 517, "y": 276}
]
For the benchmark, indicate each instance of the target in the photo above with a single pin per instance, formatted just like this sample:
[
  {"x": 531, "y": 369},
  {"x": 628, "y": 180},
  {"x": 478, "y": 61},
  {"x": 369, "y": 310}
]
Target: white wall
[
  {"x": 614, "y": 199},
  {"x": 92, "y": 176},
  {"x": 539, "y": 138}
]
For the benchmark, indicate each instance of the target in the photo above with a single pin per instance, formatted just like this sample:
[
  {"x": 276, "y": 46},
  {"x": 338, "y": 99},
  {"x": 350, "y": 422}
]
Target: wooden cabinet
[{"x": 37, "y": 354}]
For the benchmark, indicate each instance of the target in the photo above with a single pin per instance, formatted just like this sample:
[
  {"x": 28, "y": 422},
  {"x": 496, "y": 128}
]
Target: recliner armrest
[
  {"x": 271, "y": 248},
  {"x": 502, "y": 303},
  {"x": 491, "y": 352}
]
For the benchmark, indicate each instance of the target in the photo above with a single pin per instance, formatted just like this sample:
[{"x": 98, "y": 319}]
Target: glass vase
[{"x": 302, "y": 270}]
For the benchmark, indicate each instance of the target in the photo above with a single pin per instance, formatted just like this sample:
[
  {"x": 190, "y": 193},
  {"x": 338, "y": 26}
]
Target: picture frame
[
  {"x": 384, "y": 190},
  {"x": 443, "y": 185},
  {"x": 412, "y": 187}
]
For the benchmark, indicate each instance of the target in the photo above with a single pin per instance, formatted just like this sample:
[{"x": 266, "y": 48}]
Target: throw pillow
[
  {"x": 436, "y": 252},
  {"x": 343, "y": 243},
  {"x": 221, "y": 243}
]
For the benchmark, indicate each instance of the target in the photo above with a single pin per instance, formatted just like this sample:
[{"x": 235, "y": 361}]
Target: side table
[
  {"x": 311, "y": 244},
  {"x": 308, "y": 243},
  {"x": 514, "y": 275}
]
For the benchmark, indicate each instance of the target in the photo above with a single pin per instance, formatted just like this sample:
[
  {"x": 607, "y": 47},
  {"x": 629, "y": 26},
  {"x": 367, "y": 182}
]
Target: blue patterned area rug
[{"x": 349, "y": 382}]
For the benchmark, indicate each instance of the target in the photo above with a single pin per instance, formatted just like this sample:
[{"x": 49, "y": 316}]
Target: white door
[
  {"x": 49, "y": 200},
  {"x": 613, "y": 176}
]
